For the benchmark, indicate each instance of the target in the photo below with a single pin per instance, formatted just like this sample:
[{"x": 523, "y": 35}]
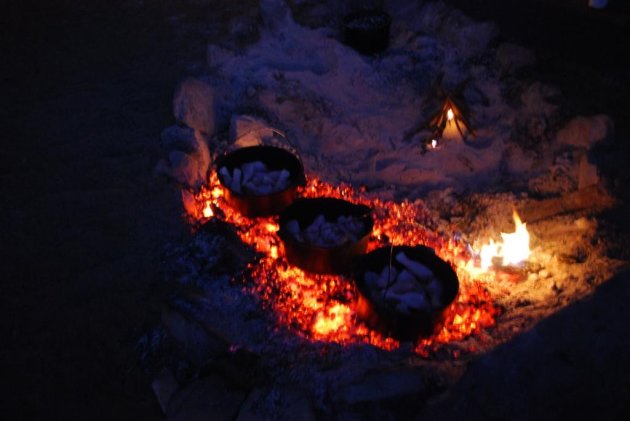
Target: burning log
[{"x": 593, "y": 198}]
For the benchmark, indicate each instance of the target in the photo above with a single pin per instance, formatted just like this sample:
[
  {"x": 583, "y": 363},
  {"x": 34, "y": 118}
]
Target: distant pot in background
[{"x": 367, "y": 31}]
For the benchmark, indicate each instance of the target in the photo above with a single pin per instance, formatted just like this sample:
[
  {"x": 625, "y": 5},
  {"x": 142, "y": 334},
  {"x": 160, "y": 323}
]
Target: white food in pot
[
  {"x": 236, "y": 181},
  {"x": 417, "y": 268},
  {"x": 412, "y": 289},
  {"x": 255, "y": 178},
  {"x": 324, "y": 233}
]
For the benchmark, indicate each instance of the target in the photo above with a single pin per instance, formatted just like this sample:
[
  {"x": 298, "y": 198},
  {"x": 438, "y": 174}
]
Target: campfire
[
  {"x": 243, "y": 291},
  {"x": 323, "y": 307}
]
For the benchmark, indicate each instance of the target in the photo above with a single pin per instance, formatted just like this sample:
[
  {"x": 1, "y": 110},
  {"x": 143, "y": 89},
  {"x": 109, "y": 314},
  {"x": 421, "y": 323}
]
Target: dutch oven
[
  {"x": 382, "y": 315},
  {"x": 275, "y": 158},
  {"x": 338, "y": 259}
]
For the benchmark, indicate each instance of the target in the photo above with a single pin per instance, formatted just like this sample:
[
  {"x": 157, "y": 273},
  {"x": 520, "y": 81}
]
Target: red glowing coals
[{"x": 322, "y": 307}]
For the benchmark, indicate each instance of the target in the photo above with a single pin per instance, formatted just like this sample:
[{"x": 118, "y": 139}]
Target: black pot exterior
[
  {"x": 386, "y": 319},
  {"x": 275, "y": 158},
  {"x": 367, "y": 31},
  {"x": 322, "y": 260}
]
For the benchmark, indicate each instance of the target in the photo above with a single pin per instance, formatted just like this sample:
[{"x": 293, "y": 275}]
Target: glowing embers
[{"x": 323, "y": 307}]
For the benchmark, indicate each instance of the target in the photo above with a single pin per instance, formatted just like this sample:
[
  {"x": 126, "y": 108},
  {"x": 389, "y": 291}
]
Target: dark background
[{"x": 86, "y": 89}]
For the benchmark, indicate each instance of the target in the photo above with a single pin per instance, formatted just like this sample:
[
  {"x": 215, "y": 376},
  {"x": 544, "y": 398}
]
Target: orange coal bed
[{"x": 433, "y": 298}]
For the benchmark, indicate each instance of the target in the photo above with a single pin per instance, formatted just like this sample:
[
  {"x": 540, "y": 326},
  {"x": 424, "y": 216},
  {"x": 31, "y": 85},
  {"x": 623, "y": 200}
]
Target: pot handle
[{"x": 277, "y": 133}]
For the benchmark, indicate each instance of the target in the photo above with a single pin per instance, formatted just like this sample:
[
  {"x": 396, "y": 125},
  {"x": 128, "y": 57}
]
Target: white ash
[
  {"x": 255, "y": 178},
  {"x": 415, "y": 288},
  {"x": 324, "y": 233}
]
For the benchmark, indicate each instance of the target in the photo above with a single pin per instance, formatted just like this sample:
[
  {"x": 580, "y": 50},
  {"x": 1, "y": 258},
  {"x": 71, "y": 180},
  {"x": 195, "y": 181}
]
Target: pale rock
[
  {"x": 280, "y": 403},
  {"x": 164, "y": 386},
  {"x": 210, "y": 398},
  {"x": 192, "y": 340},
  {"x": 188, "y": 169},
  {"x": 244, "y": 29},
  {"x": 194, "y": 105},
  {"x": 381, "y": 385},
  {"x": 471, "y": 39},
  {"x": 584, "y": 132},
  {"x": 179, "y": 138},
  {"x": 513, "y": 57}
]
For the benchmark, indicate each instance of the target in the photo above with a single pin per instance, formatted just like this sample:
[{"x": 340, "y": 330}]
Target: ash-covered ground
[{"x": 89, "y": 89}]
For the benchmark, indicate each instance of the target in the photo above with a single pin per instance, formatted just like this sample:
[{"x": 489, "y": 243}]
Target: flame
[
  {"x": 324, "y": 307},
  {"x": 513, "y": 250},
  {"x": 434, "y": 143},
  {"x": 450, "y": 114},
  {"x": 207, "y": 210}
]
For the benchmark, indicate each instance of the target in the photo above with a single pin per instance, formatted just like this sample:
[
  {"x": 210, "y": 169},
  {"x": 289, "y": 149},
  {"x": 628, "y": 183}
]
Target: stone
[
  {"x": 240, "y": 367},
  {"x": 245, "y": 30},
  {"x": 382, "y": 385},
  {"x": 511, "y": 57},
  {"x": 194, "y": 105},
  {"x": 187, "y": 168},
  {"x": 584, "y": 132},
  {"x": 164, "y": 386},
  {"x": 195, "y": 343},
  {"x": 180, "y": 139},
  {"x": 278, "y": 403},
  {"x": 210, "y": 398}
]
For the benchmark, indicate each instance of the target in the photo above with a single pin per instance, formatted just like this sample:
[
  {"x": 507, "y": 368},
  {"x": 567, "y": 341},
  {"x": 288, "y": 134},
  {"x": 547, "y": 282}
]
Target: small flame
[
  {"x": 207, "y": 210},
  {"x": 513, "y": 250},
  {"x": 434, "y": 143},
  {"x": 450, "y": 114}
]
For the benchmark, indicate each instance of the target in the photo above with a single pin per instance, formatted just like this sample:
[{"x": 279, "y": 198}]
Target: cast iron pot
[
  {"x": 386, "y": 319},
  {"x": 276, "y": 159},
  {"x": 316, "y": 259},
  {"x": 367, "y": 31}
]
